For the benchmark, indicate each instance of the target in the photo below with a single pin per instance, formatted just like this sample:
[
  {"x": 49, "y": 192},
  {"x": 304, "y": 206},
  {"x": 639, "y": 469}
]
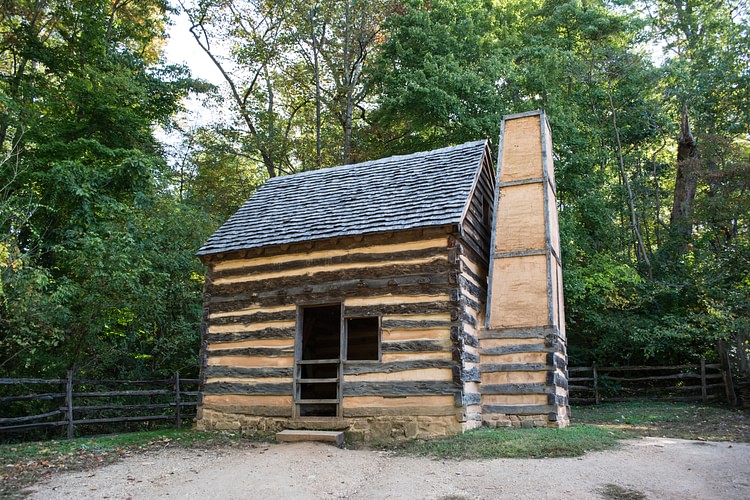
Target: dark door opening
[{"x": 317, "y": 374}]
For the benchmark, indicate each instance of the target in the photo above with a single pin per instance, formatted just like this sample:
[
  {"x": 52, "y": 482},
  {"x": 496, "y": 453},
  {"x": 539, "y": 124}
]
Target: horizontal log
[
  {"x": 515, "y": 389},
  {"x": 247, "y": 372},
  {"x": 471, "y": 398},
  {"x": 399, "y": 388},
  {"x": 436, "y": 285},
  {"x": 265, "y": 334},
  {"x": 30, "y": 418},
  {"x": 406, "y": 308},
  {"x": 403, "y": 273},
  {"x": 259, "y": 411},
  {"x": 520, "y": 409},
  {"x": 164, "y": 381},
  {"x": 256, "y": 317},
  {"x": 159, "y": 406},
  {"x": 468, "y": 286},
  {"x": 32, "y": 397},
  {"x": 471, "y": 375},
  {"x": 360, "y": 367},
  {"x": 433, "y": 307},
  {"x": 99, "y": 394},
  {"x": 38, "y": 425},
  {"x": 513, "y": 367},
  {"x": 237, "y": 388},
  {"x": 410, "y": 411},
  {"x": 114, "y": 420},
  {"x": 415, "y": 346},
  {"x": 12, "y": 381},
  {"x": 304, "y": 262},
  {"x": 519, "y": 333},
  {"x": 515, "y": 349},
  {"x": 402, "y": 324},
  {"x": 251, "y": 351}
]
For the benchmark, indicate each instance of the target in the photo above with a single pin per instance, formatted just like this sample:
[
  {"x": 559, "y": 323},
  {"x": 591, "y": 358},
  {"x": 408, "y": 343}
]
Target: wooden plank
[
  {"x": 410, "y": 324},
  {"x": 101, "y": 394},
  {"x": 249, "y": 372},
  {"x": 258, "y": 313},
  {"x": 389, "y": 357},
  {"x": 246, "y": 400},
  {"x": 281, "y": 326},
  {"x": 386, "y": 411},
  {"x": 407, "y": 290},
  {"x": 379, "y": 244},
  {"x": 249, "y": 380},
  {"x": 359, "y": 367},
  {"x": 251, "y": 361},
  {"x": 410, "y": 388},
  {"x": 13, "y": 381},
  {"x": 254, "y": 410},
  {"x": 309, "y": 265},
  {"x": 32, "y": 397},
  {"x": 512, "y": 367},
  {"x": 416, "y": 346},
  {"x": 516, "y": 348},
  {"x": 404, "y": 309},
  {"x": 114, "y": 420},
  {"x": 538, "y": 332},
  {"x": 399, "y": 335},
  {"x": 423, "y": 401},
  {"x": 498, "y": 389},
  {"x": 423, "y": 374},
  {"x": 252, "y": 351},
  {"x": 237, "y": 388},
  {"x": 37, "y": 425},
  {"x": 270, "y": 330},
  {"x": 254, "y": 343},
  {"x": 29, "y": 418},
  {"x": 520, "y": 409},
  {"x": 328, "y": 273},
  {"x": 318, "y": 361}
]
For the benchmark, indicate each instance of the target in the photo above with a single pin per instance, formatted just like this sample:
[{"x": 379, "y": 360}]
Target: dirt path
[{"x": 647, "y": 468}]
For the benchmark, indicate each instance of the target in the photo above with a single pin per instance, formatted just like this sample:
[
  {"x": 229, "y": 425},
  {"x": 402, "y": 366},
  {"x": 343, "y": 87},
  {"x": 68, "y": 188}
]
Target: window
[{"x": 363, "y": 339}]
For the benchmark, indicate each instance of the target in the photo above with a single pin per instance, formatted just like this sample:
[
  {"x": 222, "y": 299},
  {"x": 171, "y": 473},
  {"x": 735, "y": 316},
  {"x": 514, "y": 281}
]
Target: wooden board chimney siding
[{"x": 523, "y": 361}]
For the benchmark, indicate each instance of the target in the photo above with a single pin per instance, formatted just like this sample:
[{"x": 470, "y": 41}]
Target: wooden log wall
[
  {"x": 472, "y": 259},
  {"x": 408, "y": 279}
]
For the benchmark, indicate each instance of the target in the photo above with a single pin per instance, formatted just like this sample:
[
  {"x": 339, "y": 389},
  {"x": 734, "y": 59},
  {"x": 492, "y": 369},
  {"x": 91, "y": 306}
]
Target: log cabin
[{"x": 410, "y": 296}]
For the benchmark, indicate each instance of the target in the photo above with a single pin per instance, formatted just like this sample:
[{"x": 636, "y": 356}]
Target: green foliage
[{"x": 97, "y": 270}]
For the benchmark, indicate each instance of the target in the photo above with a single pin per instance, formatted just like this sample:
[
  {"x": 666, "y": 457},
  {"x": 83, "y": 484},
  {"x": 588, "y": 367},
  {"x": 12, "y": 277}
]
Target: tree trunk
[{"x": 686, "y": 182}]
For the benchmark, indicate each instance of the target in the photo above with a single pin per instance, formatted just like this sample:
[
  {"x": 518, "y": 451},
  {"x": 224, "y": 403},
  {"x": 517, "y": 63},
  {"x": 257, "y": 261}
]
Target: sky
[{"x": 183, "y": 49}]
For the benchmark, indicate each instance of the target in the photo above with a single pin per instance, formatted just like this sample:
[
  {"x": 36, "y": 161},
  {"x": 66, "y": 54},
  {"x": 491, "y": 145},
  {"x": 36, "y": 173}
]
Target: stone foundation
[
  {"x": 521, "y": 421},
  {"x": 369, "y": 429}
]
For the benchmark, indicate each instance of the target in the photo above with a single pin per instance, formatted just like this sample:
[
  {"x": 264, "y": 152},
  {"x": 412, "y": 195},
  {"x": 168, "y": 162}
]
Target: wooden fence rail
[
  {"x": 172, "y": 399},
  {"x": 699, "y": 382}
]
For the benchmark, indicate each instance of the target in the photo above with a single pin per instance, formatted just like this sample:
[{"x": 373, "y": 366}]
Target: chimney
[{"x": 523, "y": 356}]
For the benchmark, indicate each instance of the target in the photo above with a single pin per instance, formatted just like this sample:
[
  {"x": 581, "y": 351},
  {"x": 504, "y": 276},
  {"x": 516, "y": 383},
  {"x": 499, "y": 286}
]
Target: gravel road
[{"x": 646, "y": 468}]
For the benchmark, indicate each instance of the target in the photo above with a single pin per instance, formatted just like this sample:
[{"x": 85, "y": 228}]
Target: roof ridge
[{"x": 404, "y": 157}]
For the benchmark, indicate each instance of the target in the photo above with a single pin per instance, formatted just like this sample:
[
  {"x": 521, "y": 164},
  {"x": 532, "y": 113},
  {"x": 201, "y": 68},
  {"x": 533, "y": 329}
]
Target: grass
[
  {"x": 594, "y": 428},
  {"x": 676, "y": 420},
  {"x": 572, "y": 441}
]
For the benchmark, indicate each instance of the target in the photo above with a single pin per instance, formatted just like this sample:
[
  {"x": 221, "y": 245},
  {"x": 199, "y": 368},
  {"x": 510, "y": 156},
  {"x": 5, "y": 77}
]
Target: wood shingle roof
[{"x": 397, "y": 193}]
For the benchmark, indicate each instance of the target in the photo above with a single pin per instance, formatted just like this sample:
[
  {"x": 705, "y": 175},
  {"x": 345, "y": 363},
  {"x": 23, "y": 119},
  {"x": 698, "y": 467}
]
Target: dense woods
[{"x": 649, "y": 103}]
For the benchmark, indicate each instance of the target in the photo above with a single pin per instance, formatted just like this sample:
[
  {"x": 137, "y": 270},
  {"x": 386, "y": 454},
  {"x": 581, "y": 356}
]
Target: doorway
[{"x": 317, "y": 373}]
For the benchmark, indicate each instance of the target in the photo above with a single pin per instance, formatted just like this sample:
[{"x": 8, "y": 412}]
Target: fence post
[
  {"x": 177, "y": 417},
  {"x": 596, "y": 384},
  {"x": 704, "y": 389},
  {"x": 69, "y": 403}
]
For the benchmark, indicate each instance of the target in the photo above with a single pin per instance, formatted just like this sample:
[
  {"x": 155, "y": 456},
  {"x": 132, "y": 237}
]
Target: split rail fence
[
  {"x": 698, "y": 382},
  {"x": 98, "y": 404}
]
